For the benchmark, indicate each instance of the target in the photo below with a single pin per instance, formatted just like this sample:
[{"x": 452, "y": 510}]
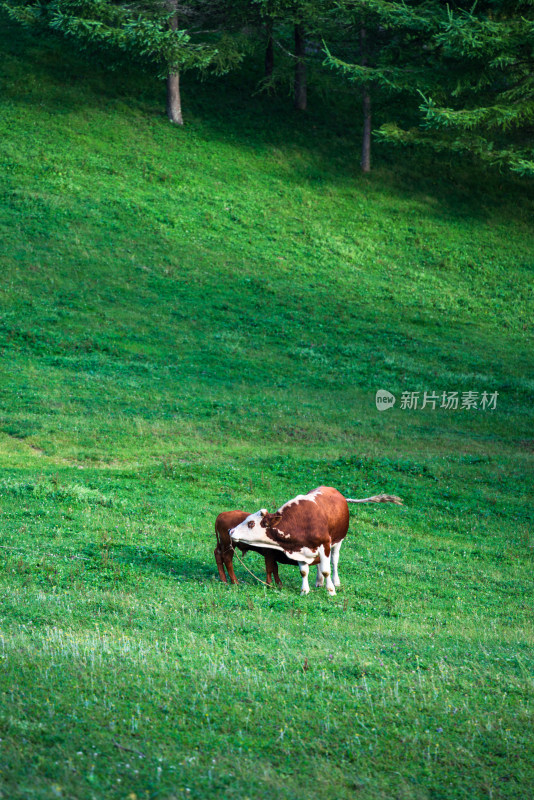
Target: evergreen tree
[
  {"x": 168, "y": 36},
  {"x": 382, "y": 49},
  {"x": 467, "y": 73},
  {"x": 297, "y": 27}
]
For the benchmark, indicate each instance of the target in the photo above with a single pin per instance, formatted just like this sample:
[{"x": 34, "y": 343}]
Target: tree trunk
[
  {"x": 269, "y": 51},
  {"x": 174, "y": 102},
  {"x": 300, "y": 70},
  {"x": 366, "y": 139},
  {"x": 366, "y": 107}
]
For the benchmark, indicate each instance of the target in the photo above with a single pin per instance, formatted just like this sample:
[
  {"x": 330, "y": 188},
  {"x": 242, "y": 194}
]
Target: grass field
[{"x": 197, "y": 320}]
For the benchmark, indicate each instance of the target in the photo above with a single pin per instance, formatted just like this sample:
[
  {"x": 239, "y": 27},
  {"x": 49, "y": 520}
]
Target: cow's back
[{"x": 307, "y": 519}]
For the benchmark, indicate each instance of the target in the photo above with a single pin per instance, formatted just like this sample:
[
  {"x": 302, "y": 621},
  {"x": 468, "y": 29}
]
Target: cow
[
  {"x": 309, "y": 529},
  {"x": 224, "y": 552}
]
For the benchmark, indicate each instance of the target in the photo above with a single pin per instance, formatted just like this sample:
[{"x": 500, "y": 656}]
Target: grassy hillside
[{"x": 196, "y": 320}]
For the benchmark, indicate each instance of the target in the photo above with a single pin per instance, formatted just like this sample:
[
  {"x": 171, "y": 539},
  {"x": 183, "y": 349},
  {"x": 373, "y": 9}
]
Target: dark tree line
[{"x": 462, "y": 73}]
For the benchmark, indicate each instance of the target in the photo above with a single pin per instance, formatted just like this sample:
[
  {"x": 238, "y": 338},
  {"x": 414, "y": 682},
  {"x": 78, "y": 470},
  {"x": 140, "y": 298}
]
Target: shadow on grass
[
  {"x": 147, "y": 559},
  {"x": 186, "y": 568}
]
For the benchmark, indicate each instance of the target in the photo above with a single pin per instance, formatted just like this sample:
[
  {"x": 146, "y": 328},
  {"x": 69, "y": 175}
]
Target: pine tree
[
  {"x": 486, "y": 102},
  {"x": 381, "y": 48},
  {"x": 466, "y": 74},
  {"x": 167, "y": 36},
  {"x": 297, "y": 28}
]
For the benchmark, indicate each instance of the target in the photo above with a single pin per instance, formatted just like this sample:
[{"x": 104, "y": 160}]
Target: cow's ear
[
  {"x": 263, "y": 512},
  {"x": 275, "y": 520}
]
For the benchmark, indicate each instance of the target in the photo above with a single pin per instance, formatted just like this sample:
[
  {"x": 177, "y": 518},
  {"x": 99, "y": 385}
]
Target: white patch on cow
[
  {"x": 257, "y": 535},
  {"x": 320, "y": 578},
  {"x": 304, "y": 570},
  {"x": 324, "y": 564},
  {"x": 305, "y": 554},
  {"x": 310, "y": 496},
  {"x": 249, "y": 535},
  {"x": 335, "y": 560}
]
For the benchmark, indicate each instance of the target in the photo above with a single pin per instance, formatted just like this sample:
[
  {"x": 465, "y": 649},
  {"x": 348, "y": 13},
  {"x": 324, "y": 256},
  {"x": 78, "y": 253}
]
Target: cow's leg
[
  {"x": 268, "y": 569},
  {"x": 219, "y": 560},
  {"x": 319, "y": 579},
  {"x": 335, "y": 560},
  {"x": 228, "y": 556},
  {"x": 304, "y": 569},
  {"x": 324, "y": 563},
  {"x": 271, "y": 568}
]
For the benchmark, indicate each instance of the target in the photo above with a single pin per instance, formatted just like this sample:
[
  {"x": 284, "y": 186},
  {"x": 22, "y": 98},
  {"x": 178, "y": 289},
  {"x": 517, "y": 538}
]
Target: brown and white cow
[
  {"x": 224, "y": 552},
  {"x": 308, "y": 530}
]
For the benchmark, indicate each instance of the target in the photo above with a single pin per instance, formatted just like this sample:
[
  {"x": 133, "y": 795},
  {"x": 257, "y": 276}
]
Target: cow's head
[{"x": 258, "y": 529}]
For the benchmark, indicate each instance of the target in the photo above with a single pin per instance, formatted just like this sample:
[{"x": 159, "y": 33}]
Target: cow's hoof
[
  {"x": 318, "y": 584},
  {"x": 331, "y": 592},
  {"x": 305, "y": 591}
]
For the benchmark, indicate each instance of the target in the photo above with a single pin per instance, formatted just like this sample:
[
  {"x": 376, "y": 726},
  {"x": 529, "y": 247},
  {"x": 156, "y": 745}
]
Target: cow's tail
[
  {"x": 378, "y": 498},
  {"x": 229, "y": 548}
]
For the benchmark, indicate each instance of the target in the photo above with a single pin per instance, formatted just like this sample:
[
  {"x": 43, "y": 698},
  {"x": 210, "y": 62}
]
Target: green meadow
[{"x": 198, "y": 320}]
